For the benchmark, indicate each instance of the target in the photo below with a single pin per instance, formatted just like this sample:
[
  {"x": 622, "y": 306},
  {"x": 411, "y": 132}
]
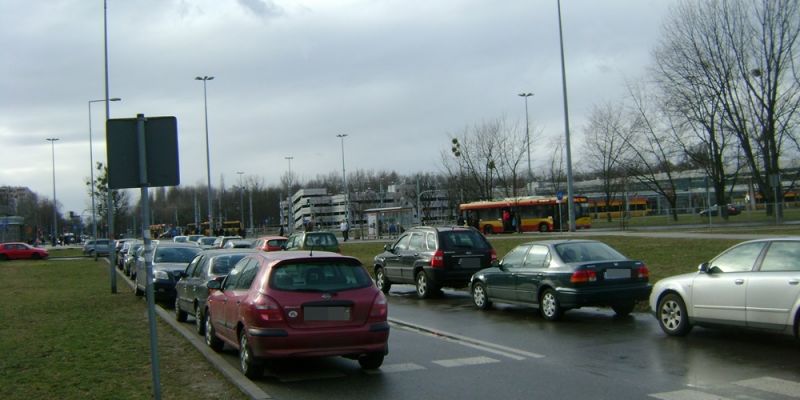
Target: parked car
[
  {"x": 129, "y": 262},
  {"x": 558, "y": 275},
  {"x": 206, "y": 242},
  {"x": 119, "y": 243},
  {"x": 295, "y": 304},
  {"x": 191, "y": 289},
  {"x": 433, "y": 257},
  {"x": 194, "y": 238},
  {"x": 103, "y": 247},
  {"x": 755, "y": 284},
  {"x": 180, "y": 239},
  {"x": 21, "y": 251},
  {"x": 123, "y": 251},
  {"x": 238, "y": 244},
  {"x": 269, "y": 243},
  {"x": 169, "y": 261},
  {"x": 714, "y": 210},
  {"x": 322, "y": 241},
  {"x": 220, "y": 241}
]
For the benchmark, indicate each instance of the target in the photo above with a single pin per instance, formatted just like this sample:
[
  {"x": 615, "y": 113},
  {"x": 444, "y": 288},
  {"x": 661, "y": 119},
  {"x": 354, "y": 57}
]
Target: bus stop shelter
[{"x": 388, "y": 222}]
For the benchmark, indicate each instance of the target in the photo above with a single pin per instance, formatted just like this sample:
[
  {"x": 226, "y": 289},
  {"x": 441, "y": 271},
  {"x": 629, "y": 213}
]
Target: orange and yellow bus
[
  {"x": 533, "y": 213},
  {"x": 637, "y": 207}
]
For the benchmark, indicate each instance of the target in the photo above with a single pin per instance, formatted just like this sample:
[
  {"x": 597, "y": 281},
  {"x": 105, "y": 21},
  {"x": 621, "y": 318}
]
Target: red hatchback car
[
  {"x": 269, "y": 243},
  {"x": 19, "y": 250},
  {"x": 298, "y": 304}
]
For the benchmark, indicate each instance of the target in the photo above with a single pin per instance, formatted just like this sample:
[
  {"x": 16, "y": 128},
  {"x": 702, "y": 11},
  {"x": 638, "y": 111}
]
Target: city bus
[
  {"x": 637, "y": 207},
  {"x": 533, "y": 213}
]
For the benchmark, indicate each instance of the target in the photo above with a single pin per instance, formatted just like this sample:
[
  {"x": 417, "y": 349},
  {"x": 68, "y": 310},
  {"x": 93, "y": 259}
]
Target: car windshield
[
  {"x": 463, "y": 239},
  {"x": 587, "y": 251},
  {"x": 223, "y": 264},
  {"x": 331, "y": 276},
  {"x": 175, "y": 254},
  {"x": 207, "y": 241}
]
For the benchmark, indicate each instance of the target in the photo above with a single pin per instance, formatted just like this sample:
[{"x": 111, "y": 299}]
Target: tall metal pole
[
  {"x": 344, "y": 180},
  {"x": 289, "y": 211},
  {"x": 241, "y": 199},
  {"x": 527, "y": 136},
  {"x": 208, "y": 155},
  {"x": 570, "y": 192},
  {"x": 109, "y": 198},
  {"x": 91, "y": 169},
  {"x": 55, "y": 207}
]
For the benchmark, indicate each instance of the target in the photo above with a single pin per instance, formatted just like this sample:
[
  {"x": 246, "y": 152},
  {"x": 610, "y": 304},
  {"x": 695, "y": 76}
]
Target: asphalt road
[{"x": 444, "y": 348}]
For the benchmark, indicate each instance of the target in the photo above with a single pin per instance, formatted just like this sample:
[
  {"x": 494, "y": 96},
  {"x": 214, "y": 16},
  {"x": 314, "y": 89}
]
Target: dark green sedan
[{"x": 558, "y": 275}]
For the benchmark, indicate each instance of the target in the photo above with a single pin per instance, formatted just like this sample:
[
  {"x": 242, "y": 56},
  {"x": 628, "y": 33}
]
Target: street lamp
[
  {"x": 241, "y": 199},
  {"x": 344, "y": 180},
  {"x": 55, "y": 208},
  {"x": 289, "y": 211},
  {"x": 91, "y": 167},
  {"x": 570, "y": 192},
  {"x": 527, "y": 135},
  {"x": 419, "y": 203},
  {"x": 205, "y": 79}
]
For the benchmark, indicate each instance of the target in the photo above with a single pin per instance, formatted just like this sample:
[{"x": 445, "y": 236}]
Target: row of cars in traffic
[{"x": 278, "y": 304}]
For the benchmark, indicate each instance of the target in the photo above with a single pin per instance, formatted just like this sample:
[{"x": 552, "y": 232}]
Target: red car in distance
[
  {"x": 269, "y": 243},
  {"x": 20, "y": 251},
  {"x": 291, "y": 304}
]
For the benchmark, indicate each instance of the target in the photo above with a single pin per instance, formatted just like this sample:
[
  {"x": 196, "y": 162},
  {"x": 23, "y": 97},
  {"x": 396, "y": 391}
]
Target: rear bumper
[
  {"x": 287, "y": 342},
  {"x": 603, "y": 296},
  {"x": 450, "y": 277}
]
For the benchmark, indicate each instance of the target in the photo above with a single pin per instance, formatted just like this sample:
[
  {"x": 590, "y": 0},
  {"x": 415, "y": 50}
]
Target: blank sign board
[{"x": 161, "y": 144}]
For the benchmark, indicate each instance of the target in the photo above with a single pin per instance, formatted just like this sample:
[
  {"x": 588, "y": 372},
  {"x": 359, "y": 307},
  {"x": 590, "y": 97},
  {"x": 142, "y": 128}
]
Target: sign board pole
[{"x": 148, "y": 254}]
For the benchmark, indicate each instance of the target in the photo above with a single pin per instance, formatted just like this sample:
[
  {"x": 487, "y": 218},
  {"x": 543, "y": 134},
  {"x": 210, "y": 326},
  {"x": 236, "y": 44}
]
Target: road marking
[
  {"x": 505, "y": 351},
  {"x": 772, "y": 385},
  {"x": 461, "y": 362},
  {"x": 307, "y": 376},
  {"x": 687, "y": 394},
  {"x": 389, "y": 368}
]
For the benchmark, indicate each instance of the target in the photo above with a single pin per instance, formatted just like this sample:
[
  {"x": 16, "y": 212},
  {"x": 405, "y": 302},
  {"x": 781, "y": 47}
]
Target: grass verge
[{"x": 64, "y": 335}]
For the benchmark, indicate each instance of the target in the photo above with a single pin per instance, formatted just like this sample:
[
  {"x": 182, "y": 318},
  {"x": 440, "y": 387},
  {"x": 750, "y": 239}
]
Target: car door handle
[
  {"x": 794, "y": 282},
  {"x": 739, "y": 281}
]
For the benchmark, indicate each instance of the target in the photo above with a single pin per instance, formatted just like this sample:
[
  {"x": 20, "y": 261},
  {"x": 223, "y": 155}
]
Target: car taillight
[
  {"x": 267, "y": 308},
  {"x": 493, "y": 255},
  {"x": 380, "y": 308},
  {"x": 643, "y": 272},
  {"x": 583, "y": 276},
  {"x": 437, "y": 261}
]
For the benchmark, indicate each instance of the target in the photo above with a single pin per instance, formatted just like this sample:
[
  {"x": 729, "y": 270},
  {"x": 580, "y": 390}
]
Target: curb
[{"x": 233, "y": 375}]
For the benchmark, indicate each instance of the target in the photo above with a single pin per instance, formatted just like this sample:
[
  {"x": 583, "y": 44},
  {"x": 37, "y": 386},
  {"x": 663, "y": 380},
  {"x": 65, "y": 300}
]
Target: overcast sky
[{"x": 399, "y": 77}]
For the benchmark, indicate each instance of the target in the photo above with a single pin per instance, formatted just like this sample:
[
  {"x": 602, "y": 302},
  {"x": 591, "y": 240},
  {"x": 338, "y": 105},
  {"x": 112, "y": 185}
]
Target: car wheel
[
  {"x": 672, "y": 316},
  {"x": 35, "y": 256},
  {"x": 543, "y": 228},
  {"x": 199, "y": 321},
  {"x": 3, "y": 257},
  {"x": 479, "y": 296},
  {"x": 251, "y": 368},
  {"x": 138, "y": 292},
  {"x": 549, "y": 306},
  {"x": 212, "y": 340},
  {"x": 180, "y": 315},
  {"x": 423, "y": 285},
  {"x": 380, "y": 279},
  {"x": 371, "y": 361},
  {"x": 623, "y": 309}
]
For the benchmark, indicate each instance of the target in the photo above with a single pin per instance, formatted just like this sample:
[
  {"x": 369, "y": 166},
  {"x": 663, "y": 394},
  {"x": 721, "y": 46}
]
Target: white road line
[
  {"x": 687, "y": 394},
  {"x": 308, "y": 376},
  {"x": 772, "y": 385},
  {"x": 461, "y": 362},
  {"x": 389, "y": 368}
]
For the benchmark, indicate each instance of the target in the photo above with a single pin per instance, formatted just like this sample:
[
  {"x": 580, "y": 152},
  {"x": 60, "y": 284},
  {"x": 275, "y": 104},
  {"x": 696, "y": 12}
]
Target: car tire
[
  {"x": 380, "y": 279},
  {"x": 543, "y": 228},
  {"x": 138, "y": 292},
  {"x": 623, "y": 309},
  {"x": 3, "y": 257},
  {"x": 199, "y": 321},
  {"x": 479, "y": 296},
  {"x": 180, "y": 315},
  {"x": 250, "y": 367},
  {"x": 672, "y": 316},
  {"x": 371, "y": 361},
  {"x": 36, "y": 256},
  {"x": 212, "y": 340},
  {"x": 549, "y": 306},
  {"x": 424, "y": 289}
]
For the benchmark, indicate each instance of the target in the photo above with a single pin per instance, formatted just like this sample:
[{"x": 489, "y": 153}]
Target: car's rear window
[
  {"x": 321, "y": 240},
  {"x": 466, "y": 239},
  {"x": 276, "y": 242},
  {"x": 324, "y": 276},
  {"x": 588, "y": 251},
  {"x": 207, "y": 240},
  {"x": 175, "y": 254},
  {"x": 224, "y": 264}
]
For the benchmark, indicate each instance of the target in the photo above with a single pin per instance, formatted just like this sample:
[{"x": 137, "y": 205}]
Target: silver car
[{"x": 755, "y": 284}]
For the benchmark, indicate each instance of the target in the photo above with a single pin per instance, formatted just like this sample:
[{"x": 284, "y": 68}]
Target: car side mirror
[
  {"x": 214, "y": 284},
  {"x": 387, "y": 247},
  {"x": 704, "y": 268}
]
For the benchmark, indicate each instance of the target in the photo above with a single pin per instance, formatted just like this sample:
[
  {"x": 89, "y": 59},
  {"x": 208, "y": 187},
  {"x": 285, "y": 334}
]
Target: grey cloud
[{"x": 262, "y": 8}]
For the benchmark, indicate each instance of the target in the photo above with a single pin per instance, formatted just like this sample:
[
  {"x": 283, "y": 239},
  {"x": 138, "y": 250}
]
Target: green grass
[{"x": 64, "y": 335}]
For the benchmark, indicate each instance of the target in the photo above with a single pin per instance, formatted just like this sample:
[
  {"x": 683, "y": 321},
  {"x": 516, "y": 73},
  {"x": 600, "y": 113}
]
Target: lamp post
[
  {"x": 91, "y": 167},
  {"x": 344, "y": 180},
  {"x": 570, "y": 192},
  {"x": 289, "y": 212},
  {"x": 527, "y": 135},
  {"x": 55, "y": 208},
  {"x": 205, "y": 79},
  {"x": 241, "y": 199},
  {"x": 419, "y": 203}
]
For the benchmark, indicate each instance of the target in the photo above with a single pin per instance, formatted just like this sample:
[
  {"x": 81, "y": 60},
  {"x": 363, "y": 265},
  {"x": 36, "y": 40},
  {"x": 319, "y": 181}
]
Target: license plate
[
  {"x": 326, "y": 313},
  {"x": 469, "y": 262},
  {"x": 618, "y": 274}
]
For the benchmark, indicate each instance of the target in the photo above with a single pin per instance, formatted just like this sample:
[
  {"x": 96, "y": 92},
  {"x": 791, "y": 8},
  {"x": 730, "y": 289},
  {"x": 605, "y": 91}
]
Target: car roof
[
  {"x": 218, "y": 252},
  {"x": 271, "y": 238},
  {"x": 273, "y": 256},
  {"x": 178, "y": 244}
]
